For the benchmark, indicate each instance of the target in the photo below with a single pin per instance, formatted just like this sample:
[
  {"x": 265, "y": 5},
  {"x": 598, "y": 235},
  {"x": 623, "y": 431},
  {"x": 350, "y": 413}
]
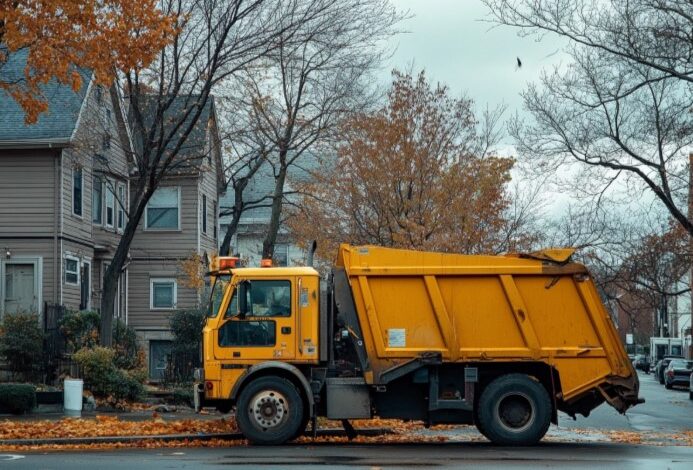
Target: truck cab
[{"x": 260, "y": 322}]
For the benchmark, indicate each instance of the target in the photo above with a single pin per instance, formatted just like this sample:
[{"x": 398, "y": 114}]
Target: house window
[
  {"x": 281, "y": 255},
  {"x": 163, "y": 209},
  {"x": 97, "y": 201},
  {"x": 121, "y": 206},
  {"x": 71, "y": 270},
  {"x": 77, "y": 191},
  {"x": 110, "y": 205},
  {"x": 204, "y": 213},
  {"x": 163, "y": 294}
]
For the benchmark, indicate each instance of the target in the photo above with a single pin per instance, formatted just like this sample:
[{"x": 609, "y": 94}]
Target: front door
[
  {"x": 266, "y": 331},
  {"x": 20, "y": 288}
]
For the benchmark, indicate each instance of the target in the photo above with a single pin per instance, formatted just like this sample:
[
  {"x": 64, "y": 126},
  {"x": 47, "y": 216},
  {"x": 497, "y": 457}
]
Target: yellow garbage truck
[{"x": 502, "y": 342}]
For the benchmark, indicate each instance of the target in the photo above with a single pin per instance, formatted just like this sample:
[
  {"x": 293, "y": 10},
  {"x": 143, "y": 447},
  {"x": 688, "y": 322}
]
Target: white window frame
[
  {"x": 154, "y": 229},
  {"x": 75, "y": 259},
  {"x": 81, "y": 193},
  {"x": 154, "y": 280},
  {"x": 121, "y": 203},
  {"x": 109, "y": 189}
]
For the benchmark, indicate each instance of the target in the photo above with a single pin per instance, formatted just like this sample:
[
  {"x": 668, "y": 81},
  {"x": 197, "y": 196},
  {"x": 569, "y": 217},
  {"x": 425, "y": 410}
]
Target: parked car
[
  {"x": 661, "y": 367},
  {"x": 642, "y": 362},
  {"x": 678, "y": 372}
]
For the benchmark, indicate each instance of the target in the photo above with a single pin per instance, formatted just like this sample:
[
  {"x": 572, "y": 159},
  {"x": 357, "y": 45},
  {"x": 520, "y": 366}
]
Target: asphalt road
[{"x": 665, "y": 411}]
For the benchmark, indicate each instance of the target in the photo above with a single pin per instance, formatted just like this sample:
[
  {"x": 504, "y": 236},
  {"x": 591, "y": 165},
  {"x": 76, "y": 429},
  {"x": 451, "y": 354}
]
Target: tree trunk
[
  {"x": 233, "y": 226},
  {"x": 112, "y": 274},
  {"x": 238, "y": 208},
  {"x": 273, "y": 229}
]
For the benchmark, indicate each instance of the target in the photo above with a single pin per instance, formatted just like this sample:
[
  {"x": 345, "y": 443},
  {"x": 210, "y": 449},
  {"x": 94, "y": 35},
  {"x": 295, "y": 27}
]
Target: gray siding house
[
  {"x": 51, "y": 250},
  {"x": 180, "y": 220},
  {"x": 64, "y": 190}
]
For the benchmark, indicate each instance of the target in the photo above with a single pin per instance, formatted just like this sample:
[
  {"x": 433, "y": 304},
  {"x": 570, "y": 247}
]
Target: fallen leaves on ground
[{"x": 103, "y": 426}]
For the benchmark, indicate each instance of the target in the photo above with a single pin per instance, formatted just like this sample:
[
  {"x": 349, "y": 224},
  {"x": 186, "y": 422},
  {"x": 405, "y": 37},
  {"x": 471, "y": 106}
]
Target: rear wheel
[
  {"x": 514, "y": 410},
  {"x": 269, "y": 411}
]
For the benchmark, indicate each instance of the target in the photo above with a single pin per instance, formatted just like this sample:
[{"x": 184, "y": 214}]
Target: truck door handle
[{"x": 286, "y": 330}]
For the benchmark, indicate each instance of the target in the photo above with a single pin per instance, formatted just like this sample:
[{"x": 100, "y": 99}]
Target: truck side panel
[{"x": 506, "y": 309}]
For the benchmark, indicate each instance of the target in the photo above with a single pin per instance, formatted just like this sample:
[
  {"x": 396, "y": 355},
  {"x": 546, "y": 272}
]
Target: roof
[
  {"x": 54, "y": 126},
  {"x": 196, "y": 143}
]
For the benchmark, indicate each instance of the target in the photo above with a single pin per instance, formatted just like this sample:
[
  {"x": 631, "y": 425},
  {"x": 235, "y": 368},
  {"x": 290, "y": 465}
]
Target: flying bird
[{"x": 519, "y": 63}]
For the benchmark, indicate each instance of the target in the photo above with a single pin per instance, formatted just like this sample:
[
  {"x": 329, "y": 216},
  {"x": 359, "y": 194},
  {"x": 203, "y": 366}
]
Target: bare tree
[
  {"x": 309, "y": 82},
  {"x": 167, "y": 101},
  {"x": 620, "y": 113}
]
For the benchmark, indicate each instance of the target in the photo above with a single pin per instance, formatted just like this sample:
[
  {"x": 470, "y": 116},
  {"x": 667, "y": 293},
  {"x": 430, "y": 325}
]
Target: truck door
[{"x": 266, "y": 330}]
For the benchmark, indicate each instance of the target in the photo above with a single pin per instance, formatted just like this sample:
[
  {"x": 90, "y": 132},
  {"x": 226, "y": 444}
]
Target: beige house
[
  {"x": 64, "y": 187},
  {"x": 180, "y": 220},
  {"x": 52, "y": 247}
]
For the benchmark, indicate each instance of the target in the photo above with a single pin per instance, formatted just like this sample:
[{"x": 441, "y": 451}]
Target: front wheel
[
  {"x": 514, "y": 410},
  {"x": 269, "y": 411}
]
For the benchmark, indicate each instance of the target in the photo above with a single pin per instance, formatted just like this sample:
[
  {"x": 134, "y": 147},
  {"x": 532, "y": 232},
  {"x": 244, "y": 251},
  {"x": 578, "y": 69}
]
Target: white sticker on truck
[{"x": 397, "y": 337}]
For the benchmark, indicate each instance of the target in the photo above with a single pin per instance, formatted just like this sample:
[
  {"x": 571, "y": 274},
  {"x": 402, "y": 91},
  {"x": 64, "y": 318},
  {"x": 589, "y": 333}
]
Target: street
[{"x": 573, "y": 444}]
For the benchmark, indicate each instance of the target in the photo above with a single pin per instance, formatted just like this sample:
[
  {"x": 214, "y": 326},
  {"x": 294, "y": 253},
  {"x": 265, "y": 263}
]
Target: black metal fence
[{"x": 55, "y": 358}]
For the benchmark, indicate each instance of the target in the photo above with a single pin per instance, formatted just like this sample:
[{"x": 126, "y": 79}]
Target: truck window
[
  {"x": 248, "y": 333},
  {"x": 269, "y": 299},
  {"x": 266, "y": 298},
  {"x": 218, "y": 289}
]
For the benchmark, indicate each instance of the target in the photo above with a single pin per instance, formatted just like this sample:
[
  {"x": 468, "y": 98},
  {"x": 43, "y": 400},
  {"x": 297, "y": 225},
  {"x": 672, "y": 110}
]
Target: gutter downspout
[{"x": 56, "y": 208}]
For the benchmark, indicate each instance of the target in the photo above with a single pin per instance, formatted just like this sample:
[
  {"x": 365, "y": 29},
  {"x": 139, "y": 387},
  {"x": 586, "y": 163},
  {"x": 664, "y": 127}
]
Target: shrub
[
  {"x": 21, "y": 343},
  {"x": 128, "y": 354},
  {"x": 17, "y": 398},
  {"x": 80, "y": 329},
  {"x": 104, "y": 378},
  {"x": 186, "y": 326}
]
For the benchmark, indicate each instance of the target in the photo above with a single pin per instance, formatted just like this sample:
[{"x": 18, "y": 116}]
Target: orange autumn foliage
[
  {"x": 102, "y": 35},
  {"x": 110, "y": 426},
  {"x": 409, "y": 175}
]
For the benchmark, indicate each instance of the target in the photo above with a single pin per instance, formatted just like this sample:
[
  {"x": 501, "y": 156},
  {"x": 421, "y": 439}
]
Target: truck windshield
[{"x": 218, "y": 289}]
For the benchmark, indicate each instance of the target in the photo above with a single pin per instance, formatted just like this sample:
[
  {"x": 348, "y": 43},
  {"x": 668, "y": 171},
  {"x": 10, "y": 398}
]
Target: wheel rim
[
  {"x": 515, "y": 412},
  {"x": 268, "y": 409}
]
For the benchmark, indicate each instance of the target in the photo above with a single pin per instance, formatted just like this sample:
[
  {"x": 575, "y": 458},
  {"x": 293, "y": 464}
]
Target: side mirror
[{"x": 243, "y": 290}]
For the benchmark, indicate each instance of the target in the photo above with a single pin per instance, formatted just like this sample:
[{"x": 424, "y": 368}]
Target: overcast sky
[{"x": 452, "y": 42}]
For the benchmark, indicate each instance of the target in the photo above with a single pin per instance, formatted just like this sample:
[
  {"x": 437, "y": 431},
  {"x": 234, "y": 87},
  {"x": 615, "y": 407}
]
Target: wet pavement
[{"x": 648, "y": 437}]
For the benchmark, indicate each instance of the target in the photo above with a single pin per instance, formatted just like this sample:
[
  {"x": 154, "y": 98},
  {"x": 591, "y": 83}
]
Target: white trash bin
[{"x": 72, "y": 396}]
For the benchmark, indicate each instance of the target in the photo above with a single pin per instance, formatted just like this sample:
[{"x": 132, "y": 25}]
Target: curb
[{"x": 236, "y": 436}]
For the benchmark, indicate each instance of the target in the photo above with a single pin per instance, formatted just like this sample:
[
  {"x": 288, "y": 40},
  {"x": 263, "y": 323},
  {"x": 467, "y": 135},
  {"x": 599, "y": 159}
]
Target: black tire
[
  {"x": 269, "y": 411},
  {"x": 668, "y": 386},
  {"x": 479, "y": 425},
  {"x": 302, "y": 427},
  {"x": 514, "y": 410},
  {"x": 690, "y": 395}
]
